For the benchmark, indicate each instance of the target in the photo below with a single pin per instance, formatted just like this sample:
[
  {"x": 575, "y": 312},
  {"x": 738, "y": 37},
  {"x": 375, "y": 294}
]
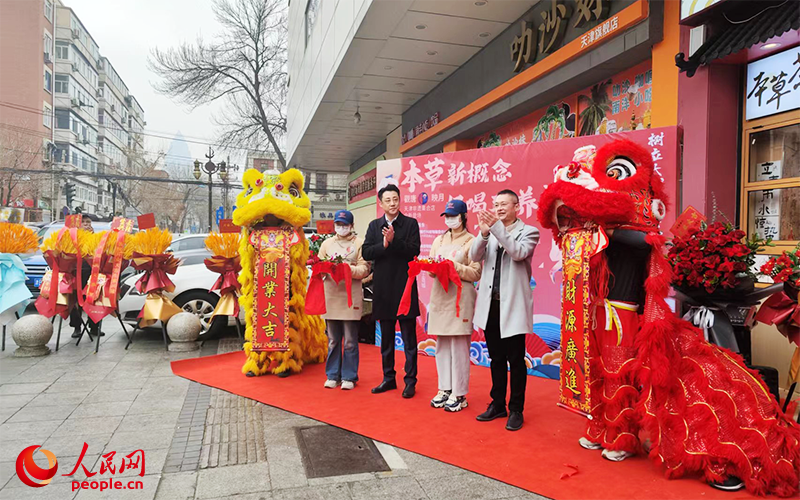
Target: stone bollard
[
  {"x": 183, "y": 330},
  {"x": 32, "y": 333}
]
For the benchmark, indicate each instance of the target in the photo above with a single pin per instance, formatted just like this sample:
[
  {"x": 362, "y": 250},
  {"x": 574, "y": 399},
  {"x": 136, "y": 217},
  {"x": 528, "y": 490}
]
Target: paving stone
[
  {"x": 55, "y": 399},
  {"x": 467, "y": 486},
  {"x": 111, "y": 409},
  {"x": 16, "y": 401},
  {"x": 179, "y": 486},
  {"x": 86, "y": 386},
  {"x": 51, "y": 492},
  {"x": 399, "y": 488},
  {"x": 323, "y": 492},
  {"x": 105, "y": 396},
  {"x": 39, "y": 413},
  {"x": 72, "y": 444},
  {"x": 148, "y": 422},
  {"x": 424, "y": 467},
  {"x": 148, "y": 491},
  {"x": 22, "y": 388},
  {"x": 286, "y": 467},
  {"x": 151, "y": 440},
  {"x": 36, "y": 431},
  {"x": 88, "y": 425},
  {"x": 233, "y": 480}
]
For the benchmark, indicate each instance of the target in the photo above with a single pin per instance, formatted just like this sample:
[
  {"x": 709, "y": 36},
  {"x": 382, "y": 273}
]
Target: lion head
[
  {"x": 271, "y": 199},
  {"x": 613, "y": 186}
]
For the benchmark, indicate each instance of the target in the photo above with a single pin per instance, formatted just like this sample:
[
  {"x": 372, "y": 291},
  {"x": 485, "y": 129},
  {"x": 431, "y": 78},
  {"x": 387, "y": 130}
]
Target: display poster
[
  {"x": 428, "y": 182},
  {"x": 618, "y": 104}
]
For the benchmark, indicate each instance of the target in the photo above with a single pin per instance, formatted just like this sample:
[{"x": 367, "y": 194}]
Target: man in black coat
[{"x": 392, "y": 242}]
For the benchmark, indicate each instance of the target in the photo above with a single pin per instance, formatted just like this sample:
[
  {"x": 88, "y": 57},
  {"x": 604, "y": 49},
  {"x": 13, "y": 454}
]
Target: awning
[{"x": 733, "y": 37}]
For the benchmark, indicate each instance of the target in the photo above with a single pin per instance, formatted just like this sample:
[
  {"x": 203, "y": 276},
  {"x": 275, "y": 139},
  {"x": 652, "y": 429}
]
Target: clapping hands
[{"x": 486, "y": 220}]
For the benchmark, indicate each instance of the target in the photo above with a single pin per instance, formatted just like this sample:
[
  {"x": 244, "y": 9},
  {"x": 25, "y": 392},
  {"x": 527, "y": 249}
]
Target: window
[
  {"x": 321, "y": 182},
  {"x": 48, "y": 80},
  {"x": 62, "y": 84},
  {"x": 47, "y": 116},
  {"x": 311, "y": 17},
  {"x": 48, "y": 10},
  {"x": 770, "y": 179},
  {"x": 62, "y": 50},
  {"x": 48, "y": 44},
  {"x": 62, "y": 118}
]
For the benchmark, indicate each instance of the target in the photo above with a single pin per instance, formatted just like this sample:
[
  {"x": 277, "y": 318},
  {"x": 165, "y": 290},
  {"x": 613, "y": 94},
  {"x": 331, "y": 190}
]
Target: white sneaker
[
  {"x": 440, "y": 399},
  {"x": 589, "y": 445},
  {"x": 331, "y": 384},
  {"x": 616, "y": 456},
  {"x": 456, "y": 403},
  {"x": 347, "y": 385}
]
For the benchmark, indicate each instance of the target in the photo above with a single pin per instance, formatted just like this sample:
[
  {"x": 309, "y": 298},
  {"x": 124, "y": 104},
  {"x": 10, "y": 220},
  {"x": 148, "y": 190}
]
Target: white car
[{"x": 192, "y": 282}]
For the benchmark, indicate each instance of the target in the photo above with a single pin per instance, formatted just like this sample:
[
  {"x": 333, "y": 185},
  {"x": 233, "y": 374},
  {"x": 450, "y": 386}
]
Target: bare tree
[
  {"x": 19, "y": 152},
  {"x": 244, "y": 64}
]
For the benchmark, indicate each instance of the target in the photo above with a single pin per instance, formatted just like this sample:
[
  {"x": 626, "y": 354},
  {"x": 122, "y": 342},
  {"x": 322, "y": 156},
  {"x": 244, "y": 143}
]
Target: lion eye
[
  {"x": 620, "y": 168},
  {"x": 249, "y": 191},
  {"x": 294, "y": 191}
]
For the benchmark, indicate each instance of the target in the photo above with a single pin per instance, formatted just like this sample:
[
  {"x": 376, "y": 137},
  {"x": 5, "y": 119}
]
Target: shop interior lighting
[
  {"x": 357, "y": 116},
  {"x": 420, "y": 26},
  {"x": 480, "y": 3},
  {"x": 484, "y": 34},
  {"x": 770, "y": 46}
]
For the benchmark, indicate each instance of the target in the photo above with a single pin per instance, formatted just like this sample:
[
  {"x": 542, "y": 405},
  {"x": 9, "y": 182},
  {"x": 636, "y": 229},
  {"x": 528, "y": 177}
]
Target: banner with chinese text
[
  {"x": 575, "y": 379},
  {"x": 428, "y": 182},
  {"x": 272, "y": 279}
]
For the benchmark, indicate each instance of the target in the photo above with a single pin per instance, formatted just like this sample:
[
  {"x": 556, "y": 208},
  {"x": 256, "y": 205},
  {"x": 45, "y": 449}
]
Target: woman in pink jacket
[
  {"x": 453, "y": 331},
  {"x": 342, "y": 321}
]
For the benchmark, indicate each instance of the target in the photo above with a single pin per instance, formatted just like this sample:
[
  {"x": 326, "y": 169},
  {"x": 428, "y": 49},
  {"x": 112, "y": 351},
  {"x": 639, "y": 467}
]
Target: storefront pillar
[{"x": 708, "y": 111}]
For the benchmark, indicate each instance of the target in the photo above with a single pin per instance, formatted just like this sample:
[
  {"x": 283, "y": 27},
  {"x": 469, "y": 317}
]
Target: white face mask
[
  {"x": 343, "y": 230},
  {"x": 453, "y": 222}
]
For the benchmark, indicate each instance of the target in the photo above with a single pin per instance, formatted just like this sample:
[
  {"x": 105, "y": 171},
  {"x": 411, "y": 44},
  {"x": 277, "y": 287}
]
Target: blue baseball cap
[
  {"x": 455, "y": 207},
  {"x": 344, "y": 217}
]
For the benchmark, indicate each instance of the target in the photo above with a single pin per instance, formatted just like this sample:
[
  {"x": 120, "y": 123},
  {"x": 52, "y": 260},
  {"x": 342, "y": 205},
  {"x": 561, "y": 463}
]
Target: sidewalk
[{"x": 199, "y": 443}]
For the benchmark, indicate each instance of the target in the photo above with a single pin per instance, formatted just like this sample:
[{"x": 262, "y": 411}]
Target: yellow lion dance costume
[{"x": 275, "y": 199}]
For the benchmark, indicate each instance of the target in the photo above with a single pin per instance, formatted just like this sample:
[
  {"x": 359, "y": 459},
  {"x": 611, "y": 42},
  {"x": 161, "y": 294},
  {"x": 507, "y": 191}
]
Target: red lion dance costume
[{"x": 704, "y": 411}]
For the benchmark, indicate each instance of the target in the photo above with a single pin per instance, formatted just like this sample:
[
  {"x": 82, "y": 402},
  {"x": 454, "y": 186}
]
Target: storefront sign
[
  {"x": 692, "y": 7},
  {"x": 768, "y": 170},
  {"x": 420, "y": 128},
  {"x": 362, "y": 187},
  {"x": 773, "y": 84},
  {"x": 588, "y": 19},
  {"x": 427, "y": 183}
]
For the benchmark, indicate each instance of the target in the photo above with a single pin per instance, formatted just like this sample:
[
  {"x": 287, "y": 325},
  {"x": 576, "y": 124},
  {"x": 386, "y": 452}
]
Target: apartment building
[{"x": 71, "y": 99}]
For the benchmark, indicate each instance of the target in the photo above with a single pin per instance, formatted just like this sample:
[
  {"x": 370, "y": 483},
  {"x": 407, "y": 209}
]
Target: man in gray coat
[{"x": 504, "y": 309}]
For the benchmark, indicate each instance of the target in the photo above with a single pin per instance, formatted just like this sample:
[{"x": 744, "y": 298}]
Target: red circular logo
[{"x": 27, "y": 470}]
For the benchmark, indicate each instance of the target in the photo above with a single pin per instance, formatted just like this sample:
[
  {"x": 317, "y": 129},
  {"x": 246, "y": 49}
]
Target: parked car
[
  {"x": 36, "y": 266},
  {"x": 192, "y": 282},
  {"x": 191, "y": 242}
]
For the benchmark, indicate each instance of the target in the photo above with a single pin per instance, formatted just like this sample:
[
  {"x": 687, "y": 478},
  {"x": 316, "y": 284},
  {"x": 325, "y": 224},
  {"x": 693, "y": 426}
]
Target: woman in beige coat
[
  {"x": 342, "y": 321},
  {"x": 453, "y": 332}
]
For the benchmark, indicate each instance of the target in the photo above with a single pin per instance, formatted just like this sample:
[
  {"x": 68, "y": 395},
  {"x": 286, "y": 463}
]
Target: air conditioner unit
[
  {"x": 76, "y": 103},
  {"x": 75, "y": 67},
  {"x": 99, "y": 93},
  {"x": 112, "y": 108},
  {"x": 76, "y": 33},
  {"x": 47, "y": 58}
]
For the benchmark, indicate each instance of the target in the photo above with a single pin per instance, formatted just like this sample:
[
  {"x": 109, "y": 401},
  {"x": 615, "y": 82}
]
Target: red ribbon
[
  {"x": 445, "y": 272},
  {"x": 315, "y": 297},
  {"x": 228, "y": 269},
  {"x": 780, "y": 310},
  {"x": 67, "y": 264},
  {"x": 156, "y": 268}
]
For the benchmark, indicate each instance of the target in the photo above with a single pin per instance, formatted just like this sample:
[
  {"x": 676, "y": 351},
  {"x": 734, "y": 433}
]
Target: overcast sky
[{"x": 125, "y": 32}]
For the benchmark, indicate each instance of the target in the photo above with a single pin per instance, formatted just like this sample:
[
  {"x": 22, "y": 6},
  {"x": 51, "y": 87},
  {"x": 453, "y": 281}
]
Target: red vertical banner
[
  {"x": 272, "y": 278},
  {"x": 575, "y": 377}
]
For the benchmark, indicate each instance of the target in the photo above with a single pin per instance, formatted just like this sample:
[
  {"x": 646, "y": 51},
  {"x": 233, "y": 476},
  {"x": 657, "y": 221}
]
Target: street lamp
[{"x": 209, "y": 168}]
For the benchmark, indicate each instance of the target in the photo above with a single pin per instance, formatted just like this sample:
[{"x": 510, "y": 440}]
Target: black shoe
[
  {"x": 732, "y": 483},
  {"x": 514, "y": 421},
  {"x": 386, "y": 385},
  {"x": 249, "y": 374},
  {"x": 409, "y": 392},
  {"x": 491, "y": 413},
  {"x": 76, "y": 334},
  {"x": 283, "y": 374}
]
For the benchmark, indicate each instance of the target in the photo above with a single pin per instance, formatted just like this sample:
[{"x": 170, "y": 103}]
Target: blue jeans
[{"x": 342, "y": 367}]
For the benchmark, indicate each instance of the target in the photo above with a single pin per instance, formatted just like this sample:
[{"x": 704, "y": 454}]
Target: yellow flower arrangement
[
  {"x": 223, "y": 244},
  {"x": 65, "y": 244},
  {"x": 92, "y": 240},
  {"x": 16, "y": 238},
  {"x": 151, "y": 242}
]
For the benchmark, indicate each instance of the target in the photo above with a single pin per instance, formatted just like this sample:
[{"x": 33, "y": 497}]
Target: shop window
[{"x": 770, "y": 202}]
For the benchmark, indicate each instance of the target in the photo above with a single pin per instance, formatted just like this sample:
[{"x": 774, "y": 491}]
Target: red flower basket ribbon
[
  {"x": 445, "y": 272},
  {"x": 64, "y": 269},
  {"x": 156, "y": 268},
  {"x": 315, "y": 297},
  {"x": 228, "y": 269},
  {"x": 784, "y": 312}
]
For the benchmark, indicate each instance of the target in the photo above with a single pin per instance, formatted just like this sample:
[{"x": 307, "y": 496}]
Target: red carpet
[{"x": 533, "y": 458}]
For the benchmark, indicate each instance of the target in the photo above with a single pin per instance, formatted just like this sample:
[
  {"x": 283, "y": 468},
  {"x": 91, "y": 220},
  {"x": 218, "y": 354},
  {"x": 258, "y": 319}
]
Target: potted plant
[{"x": 785, "y": 268}]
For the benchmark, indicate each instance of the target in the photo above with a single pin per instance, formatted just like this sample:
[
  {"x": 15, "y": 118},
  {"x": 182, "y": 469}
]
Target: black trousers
[
  {"x": 408, "y": 331},
  {"x": 505, "y": 353},
  {"x": 76, "y": 313}
]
